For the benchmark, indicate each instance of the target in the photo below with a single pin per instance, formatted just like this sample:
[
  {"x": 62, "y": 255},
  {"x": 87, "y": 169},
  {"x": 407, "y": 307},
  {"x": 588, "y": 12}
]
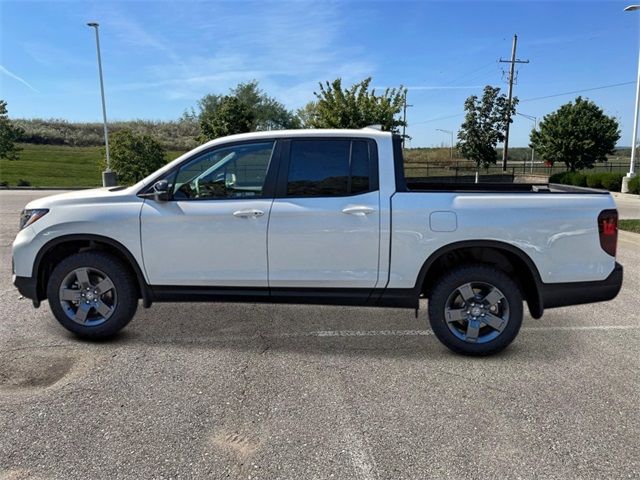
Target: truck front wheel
[
  {"x": 92, "y": 294},
  {"x": 476, "y": 310}
]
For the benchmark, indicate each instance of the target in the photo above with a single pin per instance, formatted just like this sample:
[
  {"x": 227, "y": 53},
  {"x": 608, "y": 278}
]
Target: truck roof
[{"x": 367, "y": 132}]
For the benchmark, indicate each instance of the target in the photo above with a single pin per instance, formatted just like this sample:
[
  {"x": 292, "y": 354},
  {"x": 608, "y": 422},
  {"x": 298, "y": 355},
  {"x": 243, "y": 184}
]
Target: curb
[{"x": 626, "y": 195}]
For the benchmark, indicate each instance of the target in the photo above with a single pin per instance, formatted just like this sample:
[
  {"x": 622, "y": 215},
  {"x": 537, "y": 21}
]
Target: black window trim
[
  {"x": 285, "y": 158},
  {"x": 268, "y": 190}
]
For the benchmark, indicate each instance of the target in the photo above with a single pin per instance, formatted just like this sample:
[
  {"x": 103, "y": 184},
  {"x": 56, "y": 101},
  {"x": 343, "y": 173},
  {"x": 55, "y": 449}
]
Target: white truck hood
[{"x": 83, "y": 197}]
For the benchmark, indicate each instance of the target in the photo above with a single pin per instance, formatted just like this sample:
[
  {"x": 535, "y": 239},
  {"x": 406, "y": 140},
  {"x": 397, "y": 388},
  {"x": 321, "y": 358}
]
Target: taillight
[{"x": 608, "y": 229}]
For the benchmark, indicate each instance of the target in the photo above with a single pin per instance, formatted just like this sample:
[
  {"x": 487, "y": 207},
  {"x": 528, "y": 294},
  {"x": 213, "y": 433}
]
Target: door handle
[
  {"x": 359, "y": 210},
  {"x": 248, "y": 213}
]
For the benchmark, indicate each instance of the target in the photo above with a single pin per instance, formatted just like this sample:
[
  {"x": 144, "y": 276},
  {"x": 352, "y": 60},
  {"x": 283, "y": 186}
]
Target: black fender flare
[
  {"x": 145, "y": 291},
  {"x": 536, "y": 307}
]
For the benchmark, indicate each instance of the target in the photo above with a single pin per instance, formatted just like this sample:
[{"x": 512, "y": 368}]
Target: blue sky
[{"x": 160, "y": 57}]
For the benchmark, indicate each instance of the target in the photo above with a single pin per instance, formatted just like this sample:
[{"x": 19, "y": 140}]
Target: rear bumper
[{"x": 574, "y": 293}]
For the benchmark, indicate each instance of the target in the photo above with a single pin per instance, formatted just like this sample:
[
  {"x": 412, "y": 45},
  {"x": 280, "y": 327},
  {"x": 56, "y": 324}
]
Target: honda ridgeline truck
[{"x": 319, "y": 217}]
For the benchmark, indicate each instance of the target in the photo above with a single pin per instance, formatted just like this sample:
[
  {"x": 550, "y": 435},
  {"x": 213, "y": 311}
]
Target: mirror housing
[{"x": 159, "y": 192}]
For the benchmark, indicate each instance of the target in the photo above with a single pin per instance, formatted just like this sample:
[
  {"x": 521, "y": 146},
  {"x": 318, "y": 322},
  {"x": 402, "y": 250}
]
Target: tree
[
  {"x": 9, "y": 135},
  {"x": 578, "y": 134},
  {"x": 266, "y": 113},
  {"x": 355, "y": 107},
  {"x": 134, "y": 156},
  {"x": 307, "y": 115},
  {"x": 484, "y": 126},
  {"x": 229, "y": 117},
  {"x": 269, "y": 113}
]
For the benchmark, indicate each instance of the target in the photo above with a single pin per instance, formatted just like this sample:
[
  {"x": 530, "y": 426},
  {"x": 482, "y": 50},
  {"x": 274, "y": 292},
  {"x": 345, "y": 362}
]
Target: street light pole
[
  {"x": 634, "y": 139},
  {"x": 450, "y": 132},
  {"x": 108, "y": 177}
]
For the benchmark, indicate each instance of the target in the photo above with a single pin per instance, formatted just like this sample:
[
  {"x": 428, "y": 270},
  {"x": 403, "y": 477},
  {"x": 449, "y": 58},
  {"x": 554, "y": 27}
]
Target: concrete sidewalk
[{"x": 628, "y": 205}]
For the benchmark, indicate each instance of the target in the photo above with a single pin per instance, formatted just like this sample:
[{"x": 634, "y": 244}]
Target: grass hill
[{"x": 57, "y": 166}]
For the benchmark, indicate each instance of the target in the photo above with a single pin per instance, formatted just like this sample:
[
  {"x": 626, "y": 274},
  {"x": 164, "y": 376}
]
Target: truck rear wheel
[
  {"x": 92, "y": 294},
  {"x": 476, "y": 310}
]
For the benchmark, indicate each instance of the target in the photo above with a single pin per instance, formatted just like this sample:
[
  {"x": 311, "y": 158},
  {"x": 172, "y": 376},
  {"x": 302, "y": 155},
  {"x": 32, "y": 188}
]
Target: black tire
[
  {"x": 120, "y": 301},
  {"x": 447, "y": 302}
]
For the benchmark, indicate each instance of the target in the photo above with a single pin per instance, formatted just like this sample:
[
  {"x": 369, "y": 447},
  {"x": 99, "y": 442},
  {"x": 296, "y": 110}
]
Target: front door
[
  {"x": 324, "y": 230},
  {"x": 213, "y": 230}
]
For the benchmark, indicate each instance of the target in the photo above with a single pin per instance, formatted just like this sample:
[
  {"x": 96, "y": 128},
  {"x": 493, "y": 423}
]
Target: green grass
[
  {"x": 629, "y": 225},
  {"x": 57, "y": 166}
]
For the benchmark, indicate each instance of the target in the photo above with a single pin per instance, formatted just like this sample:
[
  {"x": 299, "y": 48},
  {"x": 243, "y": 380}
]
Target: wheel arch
[
  {"x": 61, "y": 247},
  {"x": 505, "y": 256}
]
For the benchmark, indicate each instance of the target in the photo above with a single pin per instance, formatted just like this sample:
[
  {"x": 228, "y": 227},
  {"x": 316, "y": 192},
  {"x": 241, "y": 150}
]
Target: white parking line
[
  {"x": 419, "y": 333},
  {"x": 385, "y": 333}
]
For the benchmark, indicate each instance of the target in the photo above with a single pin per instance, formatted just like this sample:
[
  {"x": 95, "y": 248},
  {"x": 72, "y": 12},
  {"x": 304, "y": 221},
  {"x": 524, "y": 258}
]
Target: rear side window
[{"x": 325, "y": 168}]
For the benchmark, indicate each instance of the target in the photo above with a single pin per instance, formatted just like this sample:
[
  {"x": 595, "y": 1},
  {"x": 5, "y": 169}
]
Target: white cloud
[{"x": 288, "y": 47}]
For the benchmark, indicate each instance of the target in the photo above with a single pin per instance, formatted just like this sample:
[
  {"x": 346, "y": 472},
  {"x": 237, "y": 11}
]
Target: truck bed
[{"x": 420, "y": 185}]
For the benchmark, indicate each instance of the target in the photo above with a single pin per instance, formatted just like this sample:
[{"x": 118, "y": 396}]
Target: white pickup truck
[{"x": 318, "y": 216}]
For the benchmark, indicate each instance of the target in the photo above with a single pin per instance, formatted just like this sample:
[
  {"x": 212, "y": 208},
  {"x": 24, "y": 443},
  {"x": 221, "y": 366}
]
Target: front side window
[
  {"x": 237, "y": 171},
  {"x": 325, "y": 168}
]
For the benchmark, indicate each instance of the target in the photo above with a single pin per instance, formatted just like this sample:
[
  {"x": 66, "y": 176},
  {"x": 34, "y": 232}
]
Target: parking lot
[{"x": 264, "y": 391}]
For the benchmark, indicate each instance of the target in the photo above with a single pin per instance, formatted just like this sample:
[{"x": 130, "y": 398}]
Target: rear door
[{"x": 324, "y": 229}]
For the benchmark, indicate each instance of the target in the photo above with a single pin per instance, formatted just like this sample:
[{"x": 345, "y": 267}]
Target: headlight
[{"x": 27, "y": 217}]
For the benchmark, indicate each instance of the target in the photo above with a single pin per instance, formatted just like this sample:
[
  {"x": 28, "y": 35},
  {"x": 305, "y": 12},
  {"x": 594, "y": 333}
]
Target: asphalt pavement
[{"x": 306, "y": 392}]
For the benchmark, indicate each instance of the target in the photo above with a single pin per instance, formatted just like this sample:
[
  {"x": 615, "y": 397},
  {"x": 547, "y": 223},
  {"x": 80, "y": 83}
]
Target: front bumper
[{"x": 575, "y": 293}]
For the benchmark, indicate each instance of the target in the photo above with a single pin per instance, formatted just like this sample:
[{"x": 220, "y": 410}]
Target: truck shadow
[{"x": 315, "y": 330}]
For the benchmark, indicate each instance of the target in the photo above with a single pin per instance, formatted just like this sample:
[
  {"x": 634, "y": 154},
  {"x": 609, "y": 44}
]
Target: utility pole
[
  {"x": 404, "y": 119},
  {"x": 513, "y": 61}
]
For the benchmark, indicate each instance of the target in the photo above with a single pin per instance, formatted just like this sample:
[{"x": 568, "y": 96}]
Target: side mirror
[{"x": 161, "y": 191}]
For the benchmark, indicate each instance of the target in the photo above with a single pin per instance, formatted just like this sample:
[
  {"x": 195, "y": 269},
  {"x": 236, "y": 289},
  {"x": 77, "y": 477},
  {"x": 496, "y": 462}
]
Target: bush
[
  {"x": 559, "y": 178},
  {"x": 594, "y": 180},
  {"x": 612, "y": 181},
  {"x": 4, "y": 184},
  {"x": 603, "y": 180},
  {"x": 578, "y": 179},
  {"x": 606, "y": 181},
  {"x": 634, "y": 185},
  {"x": 569, "y": 178},
  {"x": 134, "y": 156},
  {"x": 24, "y": 183}
]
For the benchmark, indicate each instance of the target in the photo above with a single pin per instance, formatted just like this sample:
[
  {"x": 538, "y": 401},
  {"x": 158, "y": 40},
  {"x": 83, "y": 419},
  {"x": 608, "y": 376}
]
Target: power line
[
  {"x": 437, "y": 119},
  {"x": 613, "y": 85},
  {"x": 578, "y": 91}
]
